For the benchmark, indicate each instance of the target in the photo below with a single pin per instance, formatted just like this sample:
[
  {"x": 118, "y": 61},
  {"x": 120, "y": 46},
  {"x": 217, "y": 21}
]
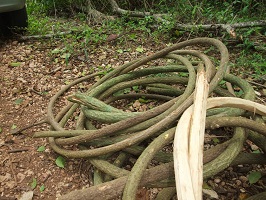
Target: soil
[{"x": 31, "y": 73}]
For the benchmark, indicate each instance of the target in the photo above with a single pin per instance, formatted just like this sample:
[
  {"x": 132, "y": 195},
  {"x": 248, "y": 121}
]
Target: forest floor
[{"x": 31, "y": 72}]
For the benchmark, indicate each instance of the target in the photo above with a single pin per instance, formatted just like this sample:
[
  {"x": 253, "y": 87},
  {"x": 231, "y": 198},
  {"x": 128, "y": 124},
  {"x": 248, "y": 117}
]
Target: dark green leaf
[{"x": 254, "y": 177}]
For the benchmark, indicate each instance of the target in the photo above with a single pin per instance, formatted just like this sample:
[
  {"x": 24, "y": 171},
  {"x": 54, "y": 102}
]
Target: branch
[
  {"x": 116, "y": 9},
  {"x": 230, "y": 28},
  {"x": 47, "y": 36},
  {"x": 112, "y": 189}
]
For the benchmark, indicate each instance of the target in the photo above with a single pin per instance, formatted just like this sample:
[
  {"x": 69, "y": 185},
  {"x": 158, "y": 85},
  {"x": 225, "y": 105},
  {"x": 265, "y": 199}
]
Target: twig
[
  {"x": 36, "y": 92},
  {"x": 17, "y": 150},
  {"x": 258, "y": 84},
  {"x": 29, "y": 126},
  {"x": 46, "y": 178},
  {"x": 47, "y": 36},
  {"x": 261, "y": 99}
]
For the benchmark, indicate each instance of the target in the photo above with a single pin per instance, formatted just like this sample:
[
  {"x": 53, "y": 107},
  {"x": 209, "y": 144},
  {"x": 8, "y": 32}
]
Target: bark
[{"x": 113, "y": 189}]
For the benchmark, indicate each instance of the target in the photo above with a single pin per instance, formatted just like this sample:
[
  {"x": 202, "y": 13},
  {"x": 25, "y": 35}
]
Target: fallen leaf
[
  {"x": 60, "y": 161},
  {"x": 41, "y": 149},
  {"x": 112, "y": 37},
  {"x": 136, "y": 104},
  {"x": 14, "y": 126},
  {"x": 33, "y": 183},
  {"x": 143, "y": 194},
  {"x": 18, "y": 101},
  {"x": 56, "y": 51},
  {"x": 139, "y": 49},
  {"x": 254, "y": 177},
  {"x": 66, "y": 55},
  {"x": 42, "y": 188},
  {"x": 15, "y": 64},
  {"x": 119, "y": 51},
  {"x": 210, "y": 193}
]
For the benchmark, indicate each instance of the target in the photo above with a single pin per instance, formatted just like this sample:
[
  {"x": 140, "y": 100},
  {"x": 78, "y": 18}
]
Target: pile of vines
[{"x": 108, "y": 137}]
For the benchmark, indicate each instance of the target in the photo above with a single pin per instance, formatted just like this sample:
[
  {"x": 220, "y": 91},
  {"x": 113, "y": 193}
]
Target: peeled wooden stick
[
  {"x": 183, "y": 179},
  {"x": 236, "y": 103},
  {"x": 196, "y": 136},
  {"x": 188, "y": 154}
]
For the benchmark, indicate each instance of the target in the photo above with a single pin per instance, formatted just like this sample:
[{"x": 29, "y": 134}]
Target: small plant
[{"x": 255, "y": 62}]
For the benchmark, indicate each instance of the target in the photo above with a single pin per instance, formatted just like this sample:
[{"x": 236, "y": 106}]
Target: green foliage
[
  {"x": 254, "y": 177},
  {"x": 60, "y": 161},
  {"x": 84, "y": 36},
  {"x": 256, "y": 151},
  {"x": 15, "y": 64},
  {"x": 139, "y": 49},
  {"x": 14, "y": 126},
  {"x": 18, "y": 101},
  {"x": 216, "y": 140},
  {"x": 121, "y": 92},
  {"x": 247, "y": 34},
  {"x": 253, "y": 61},
  {"x": 33, "y": 183},
  {"x": 41, "y": 149},
  {"x": 42, "y": 188},
  {"x": 36, "y": 17}
]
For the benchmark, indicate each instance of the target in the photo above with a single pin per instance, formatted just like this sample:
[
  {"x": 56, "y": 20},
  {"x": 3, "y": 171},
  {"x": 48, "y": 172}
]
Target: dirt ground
[
  {"x": 33, "y": 84},
  {"x": 30, "y": 75}
]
